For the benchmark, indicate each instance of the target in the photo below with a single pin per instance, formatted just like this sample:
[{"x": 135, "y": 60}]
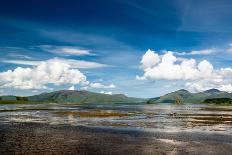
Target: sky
[{"x": 141, "y": 48}]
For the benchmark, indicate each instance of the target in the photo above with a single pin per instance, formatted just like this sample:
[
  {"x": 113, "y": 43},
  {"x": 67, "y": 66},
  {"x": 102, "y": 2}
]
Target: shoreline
[{"x": 41, "y": 138}]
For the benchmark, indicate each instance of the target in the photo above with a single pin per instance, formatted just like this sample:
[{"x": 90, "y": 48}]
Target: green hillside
[
  {"x": 69, "y": 96},
  {"x": 188, "y": 97}
]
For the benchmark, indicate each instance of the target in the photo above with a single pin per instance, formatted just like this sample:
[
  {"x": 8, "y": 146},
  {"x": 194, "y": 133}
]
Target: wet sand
[{"x": 42, "y": 138}]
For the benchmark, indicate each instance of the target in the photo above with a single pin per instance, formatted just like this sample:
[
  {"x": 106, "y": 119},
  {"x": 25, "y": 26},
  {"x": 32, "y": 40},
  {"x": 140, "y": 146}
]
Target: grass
[{"x": 17, "y": 102}]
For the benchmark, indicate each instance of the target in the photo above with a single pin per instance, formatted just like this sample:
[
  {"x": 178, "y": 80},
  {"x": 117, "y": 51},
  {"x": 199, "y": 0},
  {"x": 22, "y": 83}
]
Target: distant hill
[
  {"x": 73, "y": 96},
  {"x": 82, "y": 97},
  {"x": 8, "y": 97},
  {"x": 188, "y": 97}
]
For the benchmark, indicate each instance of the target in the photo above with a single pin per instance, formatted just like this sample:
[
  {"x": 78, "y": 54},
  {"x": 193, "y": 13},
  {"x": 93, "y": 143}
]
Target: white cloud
[
  {"x": 140, "y": 77},
  {"x": 229, "y": 50},
  {"x": 16, "y": 55},
  {"x": 72, "y": 51},
  {"x": 38, "y": 77},
  {"x": 71, "y": 88},
  {"x": 227, "y": 87},
  {"x": 150, "y": 59},
  {"x": 99, "y": 85},
  {"x": 22, "y": 62},
  {"x": 197, "y": 52},
  {"x": 71, "y": 62},
  {"x": 66, "y": 50},
  {"x": 81, "y": 63},
  {"x": 53, "y": 71},
  {"x": 84, "y": 88},
  {"x": 198, "y": 76},
  {"x": 204, "y": 84},
  {"x": 108, "y": 93}
]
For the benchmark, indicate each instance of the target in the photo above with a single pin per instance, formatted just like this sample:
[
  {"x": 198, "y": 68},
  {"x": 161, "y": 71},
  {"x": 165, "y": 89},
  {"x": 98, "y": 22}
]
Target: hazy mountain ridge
[
  {"x": 188, "y": 97},
  {"x": 73, "y": 96}
]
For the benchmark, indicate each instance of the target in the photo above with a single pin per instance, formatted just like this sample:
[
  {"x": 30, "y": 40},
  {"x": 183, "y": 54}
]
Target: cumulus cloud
[
  {"x": 66, "y": 50},
  {"x": 74, "y": 63},
  {"x": 197, "y": 52},
  {"x": 99, "y": 85},
  {"x": 47, "y": 72},
  {"x": 198, "y": 76},
  {"x": 71, "y": 88},
  {"x": 150, "y": 59},
  {"x": 53, "y": 71},
  {"x": 108, "y": 93}
]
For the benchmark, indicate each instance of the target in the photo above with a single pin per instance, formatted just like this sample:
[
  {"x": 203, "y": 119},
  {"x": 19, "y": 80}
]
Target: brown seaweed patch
[
  {"x": 217, "y": 119},
  {"x": 214, "y": 115},
  {"x": 216, "y": 109},
  {"x": 94, "y": 113},
  {"x": 209, "y": 121},
  {"x": 200, "y": 114}
]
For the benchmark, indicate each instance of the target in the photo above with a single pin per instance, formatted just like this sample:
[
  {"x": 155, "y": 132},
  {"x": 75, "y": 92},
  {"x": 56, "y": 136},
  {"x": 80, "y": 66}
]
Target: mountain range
[
  {"x": 82, "y": 97},
  {"x": 74, "y": 96},
  {"x": 188, "y": 97}
]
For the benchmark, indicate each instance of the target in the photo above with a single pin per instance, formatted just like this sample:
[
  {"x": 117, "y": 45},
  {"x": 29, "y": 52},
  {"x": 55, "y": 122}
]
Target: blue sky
[{"x": 106, "y": 40}]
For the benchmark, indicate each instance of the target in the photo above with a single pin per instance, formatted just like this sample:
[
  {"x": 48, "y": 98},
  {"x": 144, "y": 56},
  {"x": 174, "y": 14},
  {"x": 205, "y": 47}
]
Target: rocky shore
[{"x": 38, "y": 138}]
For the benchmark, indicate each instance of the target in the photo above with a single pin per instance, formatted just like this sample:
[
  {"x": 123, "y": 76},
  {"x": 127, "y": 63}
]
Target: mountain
[
  {"x": 212, "y": 91},
  {"x": 73, "y": 96},
  {"x": 8, "y": 97},
  {"x": 188, "y": 97}
]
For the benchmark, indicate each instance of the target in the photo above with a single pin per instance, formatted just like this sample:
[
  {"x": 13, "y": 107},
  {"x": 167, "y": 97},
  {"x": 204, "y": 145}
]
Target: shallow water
[{"x": 165, "y": 117}]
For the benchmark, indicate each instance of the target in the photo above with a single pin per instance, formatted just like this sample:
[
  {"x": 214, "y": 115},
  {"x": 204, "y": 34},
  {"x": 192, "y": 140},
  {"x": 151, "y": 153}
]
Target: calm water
[{"x": 165, "y": 117}]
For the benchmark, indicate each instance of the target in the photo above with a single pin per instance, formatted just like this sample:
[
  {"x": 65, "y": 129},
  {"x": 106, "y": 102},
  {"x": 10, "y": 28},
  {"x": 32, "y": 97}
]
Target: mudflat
[{"x": 42, "y": 138}]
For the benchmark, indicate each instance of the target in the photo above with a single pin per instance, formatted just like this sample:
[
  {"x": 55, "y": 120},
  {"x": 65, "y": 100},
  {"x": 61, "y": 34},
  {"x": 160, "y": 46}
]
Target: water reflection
[{"x": 165, "y": 117}]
